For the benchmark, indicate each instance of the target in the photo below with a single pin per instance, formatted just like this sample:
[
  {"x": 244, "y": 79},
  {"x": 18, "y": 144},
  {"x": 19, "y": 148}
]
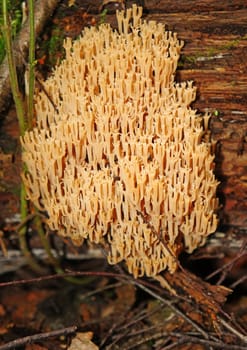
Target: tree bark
[{"x": 214, "y": 57}]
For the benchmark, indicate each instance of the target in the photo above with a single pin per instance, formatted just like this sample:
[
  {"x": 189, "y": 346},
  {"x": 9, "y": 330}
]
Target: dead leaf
[
  {"x": 82, "y": 341},
  {"x": 3, "y": 330},
  {"x": 23, "y": 304},
  {"x": 2, "y": 311},
  {"x": 71, "y": 3}
]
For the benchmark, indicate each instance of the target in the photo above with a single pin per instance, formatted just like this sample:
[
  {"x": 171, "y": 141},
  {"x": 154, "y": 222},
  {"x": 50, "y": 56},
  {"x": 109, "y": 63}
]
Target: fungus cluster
[{"x": 123, "y": 158}]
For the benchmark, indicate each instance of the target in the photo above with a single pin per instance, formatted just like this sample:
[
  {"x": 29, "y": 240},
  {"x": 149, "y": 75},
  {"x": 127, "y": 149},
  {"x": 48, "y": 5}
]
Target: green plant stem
[
  {"x": 20, "y": 110},
  {"x": 25, "y": 124},
  {"x": 22, "y": 233},
  {"x": 45, "y": 242},
  {"x": 17, "y": 96},
  {"x": 55, "y": 261},
  {"x": 31, "y": 65}
]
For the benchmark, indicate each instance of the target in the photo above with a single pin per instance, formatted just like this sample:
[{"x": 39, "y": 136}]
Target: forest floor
[{"x": 91, "y": 305}]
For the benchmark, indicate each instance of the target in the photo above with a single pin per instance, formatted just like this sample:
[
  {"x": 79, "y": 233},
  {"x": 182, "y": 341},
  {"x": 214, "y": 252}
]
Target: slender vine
[
  {"x": 17, "y": 95},
  {"x": 32, "y": 63},
  {"x": 25, "y": 110},
  {"x": 24, "y": 118}
]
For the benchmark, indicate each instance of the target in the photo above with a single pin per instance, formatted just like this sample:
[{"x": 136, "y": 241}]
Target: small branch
[
  {"x": 190, "y": 339},
  {"x": 63, "y": 275},
  {"x": 28, "y": 218},
  {"x": 228, "y": 266},
  {"x": 37, "y": 337},
  {"x": 236, "y": 283},
  {"x": 42, "y": 86},
  {"x": 241, "y": 336},
  {"x": 173, "y": 308}
]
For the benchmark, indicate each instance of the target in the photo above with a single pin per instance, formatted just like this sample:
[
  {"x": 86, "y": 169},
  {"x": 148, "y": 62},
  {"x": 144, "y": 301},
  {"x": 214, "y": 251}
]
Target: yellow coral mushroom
[{"x": 123, "y": 158}]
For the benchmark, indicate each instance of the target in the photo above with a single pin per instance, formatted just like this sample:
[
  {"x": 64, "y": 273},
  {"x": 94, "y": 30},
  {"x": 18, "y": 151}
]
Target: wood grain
[{"x": 215, "y": 58}]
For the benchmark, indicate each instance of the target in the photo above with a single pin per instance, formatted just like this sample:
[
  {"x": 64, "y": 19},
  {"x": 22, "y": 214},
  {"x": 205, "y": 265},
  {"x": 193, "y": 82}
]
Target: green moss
[
  {"x": 231, "y": 44},
  {"x": 211, "y": 51},
  {"x": 190, "y": 59},
  {"x": 51, "y": 47},
  {"x": 55, "y": 45},
  {"x": 102, "y": 17}
]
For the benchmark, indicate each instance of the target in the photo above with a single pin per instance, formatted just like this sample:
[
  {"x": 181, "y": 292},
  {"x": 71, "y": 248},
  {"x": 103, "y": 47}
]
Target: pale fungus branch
[{"x": 123, "y": 140}]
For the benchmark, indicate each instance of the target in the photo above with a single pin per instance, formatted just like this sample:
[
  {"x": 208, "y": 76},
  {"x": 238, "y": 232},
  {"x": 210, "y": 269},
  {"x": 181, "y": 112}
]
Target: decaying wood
[
  {"x": 37, "y": 338},
  {"x": 43, "y": 10},
  {"x": 214, "y": 57},
  {"x": 208, "y": 296}
]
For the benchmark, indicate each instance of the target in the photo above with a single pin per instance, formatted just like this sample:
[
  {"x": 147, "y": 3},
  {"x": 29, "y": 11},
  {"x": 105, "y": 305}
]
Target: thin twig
[
  {"x": 28, "y": 218},
  {"x": 37, "y": 337},
  {"x": 123, "y": 328},
  {"x": 100, "y": 290},
  {"x": 216, "y": 344},
  {"x": 62, "y": 275},
  {"x": 174, "y": 345},
  {"x": 236, "y": 283},
  {"x": 243, "y": 337},
  {"x": 110, "y": 332},
  {"x": 227, "y": 267},
  {"x": 40, "y": 83},
  {"x": 146, "y": 339},
  {"x": 182, "y": 338},
  {"x": 172, "y": 307}
]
